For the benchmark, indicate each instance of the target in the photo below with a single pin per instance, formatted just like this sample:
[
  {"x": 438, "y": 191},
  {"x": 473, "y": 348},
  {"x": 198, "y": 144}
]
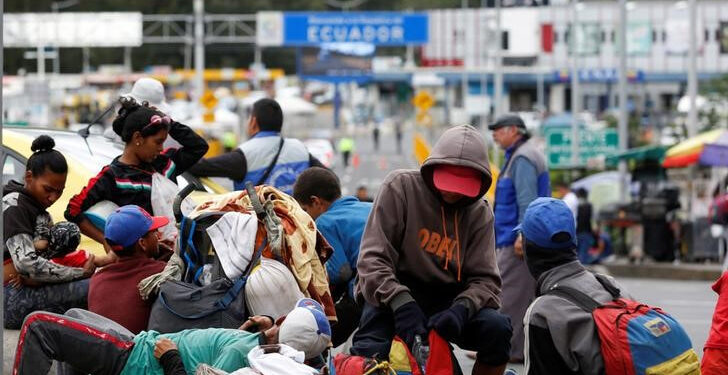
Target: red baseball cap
[{"x": 458, "y": 179}]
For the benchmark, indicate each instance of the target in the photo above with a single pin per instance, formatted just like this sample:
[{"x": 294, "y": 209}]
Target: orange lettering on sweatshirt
[{"x": 433, "y": 243}]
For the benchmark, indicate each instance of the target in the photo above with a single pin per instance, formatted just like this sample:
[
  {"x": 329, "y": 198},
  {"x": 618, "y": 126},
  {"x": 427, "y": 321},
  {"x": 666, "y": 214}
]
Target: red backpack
[{"x": 636, "y": 338}]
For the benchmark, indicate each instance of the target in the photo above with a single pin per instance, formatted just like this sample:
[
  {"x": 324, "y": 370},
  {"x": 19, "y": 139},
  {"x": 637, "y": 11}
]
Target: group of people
[{"x": 430, "y": 253}]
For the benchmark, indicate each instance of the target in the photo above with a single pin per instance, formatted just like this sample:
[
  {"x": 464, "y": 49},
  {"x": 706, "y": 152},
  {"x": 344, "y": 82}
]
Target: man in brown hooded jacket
[{"x": 427, "y": 257}]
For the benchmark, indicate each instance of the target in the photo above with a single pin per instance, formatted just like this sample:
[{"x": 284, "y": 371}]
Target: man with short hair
[
  {"x": 132, "y": 234},
  {"x": 524, "y": 177},
  {"x": 341, "y": 221},
  {"x": 427, "y": 257},
  {"x": 362, "y": 193},
  {"x": 265, "y": 158}
]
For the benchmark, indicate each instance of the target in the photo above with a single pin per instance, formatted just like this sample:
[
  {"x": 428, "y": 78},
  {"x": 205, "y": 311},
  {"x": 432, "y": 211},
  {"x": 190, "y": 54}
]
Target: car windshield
[
  {"x": 104, "y": 150},
  {"x": 72, "y": 145}
]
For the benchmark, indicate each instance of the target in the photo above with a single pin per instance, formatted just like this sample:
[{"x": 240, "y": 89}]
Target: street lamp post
[
  {"x": 199, "y": 8},
  {"x": 692, "y": 71},
  {"x": 498, "y": 76},
  {"x": 574, "y": 86},
  {"x": 623, "y": 134}
]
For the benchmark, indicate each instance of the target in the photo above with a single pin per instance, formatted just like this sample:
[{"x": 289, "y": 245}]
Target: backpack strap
[
  {"x": 608, "y": 285},
  {"x": 579, "y": 298},
  {"x": 272, "y": 164}
]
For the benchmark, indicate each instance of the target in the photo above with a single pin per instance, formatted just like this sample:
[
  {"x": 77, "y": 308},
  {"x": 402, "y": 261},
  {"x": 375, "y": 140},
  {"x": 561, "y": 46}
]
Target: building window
[{"x": 707, "y": 35}]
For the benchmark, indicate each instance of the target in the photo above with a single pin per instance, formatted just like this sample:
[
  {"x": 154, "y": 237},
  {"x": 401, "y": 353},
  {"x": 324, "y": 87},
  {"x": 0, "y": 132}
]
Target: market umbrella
[{"x": 709, "y": 148}]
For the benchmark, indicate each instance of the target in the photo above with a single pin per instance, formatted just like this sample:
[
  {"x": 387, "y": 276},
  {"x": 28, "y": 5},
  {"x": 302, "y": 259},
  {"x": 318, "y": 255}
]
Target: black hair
[
  {"x": 361, "y": 187},
  {"x": 269, "y": 115},
  {"x": 45, "y": 157},
  {"x": 133, "y": 117},
  {"x": 319, "y": 182},
  {"x": 582, "y": 193}
]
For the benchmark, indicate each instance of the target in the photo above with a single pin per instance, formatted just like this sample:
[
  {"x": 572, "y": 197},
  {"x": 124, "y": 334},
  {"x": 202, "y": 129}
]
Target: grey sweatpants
[
  {"x": 517, "y": 292},
  {"x": 83, "y": 343}
]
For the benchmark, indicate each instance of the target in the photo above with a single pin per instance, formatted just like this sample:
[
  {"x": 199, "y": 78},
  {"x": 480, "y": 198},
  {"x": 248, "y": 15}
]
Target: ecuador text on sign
[{"x": 314, "y": 28}]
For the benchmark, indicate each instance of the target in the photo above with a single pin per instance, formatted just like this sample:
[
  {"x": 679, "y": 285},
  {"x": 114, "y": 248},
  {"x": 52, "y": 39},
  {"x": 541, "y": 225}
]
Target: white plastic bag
[
  {"x": 163, "y": 193},
  {"x": 287, "y": 361}
]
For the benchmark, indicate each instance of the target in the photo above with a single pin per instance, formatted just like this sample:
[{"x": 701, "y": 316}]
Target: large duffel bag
[{"x": 220, "y": 304}]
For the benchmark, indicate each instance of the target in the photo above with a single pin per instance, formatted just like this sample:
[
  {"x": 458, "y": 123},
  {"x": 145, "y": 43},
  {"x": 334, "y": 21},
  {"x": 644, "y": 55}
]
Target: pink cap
[{"x": 457, "y": 179}]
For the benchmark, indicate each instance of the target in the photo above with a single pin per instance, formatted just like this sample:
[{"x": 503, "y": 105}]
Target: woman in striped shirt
[{"x": 128, "y": 179}]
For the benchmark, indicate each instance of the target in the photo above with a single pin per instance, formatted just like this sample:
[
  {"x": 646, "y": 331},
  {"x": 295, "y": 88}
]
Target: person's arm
[
  {"x": 100, "y": 188},
  {"x": 479, "y": 269},
  {"x": 165, "y": 351},
  {"x": 542, "y": 357},
  {"x": 192, "y": 150},
  {"x": 378, "y": 254},
  {"x": 525, "y": 181},
  {"x": 28, "y": 263},
  {"x": 230, "y": 164},
  {"x": 335, "y": 266}
]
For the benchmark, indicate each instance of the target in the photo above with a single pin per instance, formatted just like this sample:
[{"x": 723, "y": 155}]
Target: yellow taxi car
[{"x": 84, "y": 162}]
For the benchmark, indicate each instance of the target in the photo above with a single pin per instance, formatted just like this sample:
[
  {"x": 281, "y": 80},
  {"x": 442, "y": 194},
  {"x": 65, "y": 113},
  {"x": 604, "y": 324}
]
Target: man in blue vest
[
  {"x": 265, "y": 158},
  {"x": 524, "y": 177}
]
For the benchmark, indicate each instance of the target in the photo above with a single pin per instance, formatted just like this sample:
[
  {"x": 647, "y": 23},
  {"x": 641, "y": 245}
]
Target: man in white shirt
[{"x": 568, "y": 197}]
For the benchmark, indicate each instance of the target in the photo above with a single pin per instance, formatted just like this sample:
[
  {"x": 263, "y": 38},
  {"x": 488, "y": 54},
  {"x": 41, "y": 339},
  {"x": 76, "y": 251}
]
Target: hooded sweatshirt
[{"x": 416, "y": 244}]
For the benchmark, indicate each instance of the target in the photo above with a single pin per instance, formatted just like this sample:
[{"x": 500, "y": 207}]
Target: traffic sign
[
  {"x": 315, "y": 28},
  {"x": 592, "y": 144},
  {"x": 208, "y": 100},
  {"x": 423, "y": 100}
]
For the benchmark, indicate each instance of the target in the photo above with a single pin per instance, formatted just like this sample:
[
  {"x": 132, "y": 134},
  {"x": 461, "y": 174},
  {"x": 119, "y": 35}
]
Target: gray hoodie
[{"x": 416, "y": 244}]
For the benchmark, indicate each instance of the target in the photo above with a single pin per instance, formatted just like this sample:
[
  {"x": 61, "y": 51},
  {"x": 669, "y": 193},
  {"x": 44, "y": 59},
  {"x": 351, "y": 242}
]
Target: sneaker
[{"x": 510, "y": 371}]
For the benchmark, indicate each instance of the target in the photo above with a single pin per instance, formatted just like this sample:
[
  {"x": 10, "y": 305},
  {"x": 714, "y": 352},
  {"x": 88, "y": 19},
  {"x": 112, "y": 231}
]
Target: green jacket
[{"x": 225, "y": 349}]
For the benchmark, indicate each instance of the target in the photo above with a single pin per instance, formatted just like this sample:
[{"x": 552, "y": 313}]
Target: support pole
[
  {"x": 692, "y": 72},
  {"x": 40, "y": 57},
  {"x": 498, "y": 76},
  {"x": 574, "y": 88},
  {"x": 622, "y": 126},
  {"x": 199, "y": 8}
]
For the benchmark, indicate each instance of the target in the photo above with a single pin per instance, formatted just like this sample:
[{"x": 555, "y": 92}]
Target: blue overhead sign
[{"x": 315, "y": 28}]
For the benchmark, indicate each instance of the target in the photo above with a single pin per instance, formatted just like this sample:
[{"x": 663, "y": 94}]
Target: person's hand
[
  {"x": 107, "y": 248},
  {"x": 409, "y": 321},
  {"x": 449, "y": 323},
  {"x": 89, "y": 267},
  {"x": 257, "y": 323},
  {"x": 163, "y": 346},
  {"x": 518, "y": 247}
]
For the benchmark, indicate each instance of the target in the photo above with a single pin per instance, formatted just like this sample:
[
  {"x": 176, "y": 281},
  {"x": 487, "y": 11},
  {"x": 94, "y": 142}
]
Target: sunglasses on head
[{"x": 157, "y": 119}]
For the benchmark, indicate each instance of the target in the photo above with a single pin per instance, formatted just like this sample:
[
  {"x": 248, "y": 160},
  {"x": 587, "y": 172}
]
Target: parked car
[{"x": 84, "y": 162}]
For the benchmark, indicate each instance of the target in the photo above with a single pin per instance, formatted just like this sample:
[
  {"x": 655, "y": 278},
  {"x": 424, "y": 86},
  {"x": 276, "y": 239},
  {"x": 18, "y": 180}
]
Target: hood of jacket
[
  {"x": 12, "y": 187},
  {"x": 462, "y": 146}
]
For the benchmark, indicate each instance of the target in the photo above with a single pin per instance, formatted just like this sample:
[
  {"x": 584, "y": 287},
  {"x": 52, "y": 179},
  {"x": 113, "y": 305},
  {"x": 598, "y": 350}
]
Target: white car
[{"x": 321, "y": 149}]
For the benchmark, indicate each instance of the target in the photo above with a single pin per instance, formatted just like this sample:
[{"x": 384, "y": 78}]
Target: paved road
[{"x": 691, "y": 302}]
